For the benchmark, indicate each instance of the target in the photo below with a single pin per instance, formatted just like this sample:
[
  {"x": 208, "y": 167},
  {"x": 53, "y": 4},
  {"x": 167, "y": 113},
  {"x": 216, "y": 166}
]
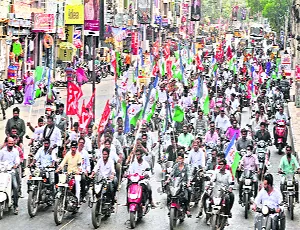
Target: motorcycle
[
  {"x": 216, "y": 212},
  {"x": 101, "y": 201},
  {"x": 135, "y": 198},
  {"x": 177, "y": 205},
  {"x": 166, "y": 167},
  {"x": 289, "y": 192},
  {"x": 280, "y": 132},
  {"x": 65, "y": 199},
  {"x": 197, "y": 183},
  {"x": 19, "y": 97},
  {"x": 248, "y": 191},
  {"x": 263, "y": 221},
  {"x": 5, "y": 188},
  {"x": 262, "y": 152},
  {"x": 40, "y": 188}
]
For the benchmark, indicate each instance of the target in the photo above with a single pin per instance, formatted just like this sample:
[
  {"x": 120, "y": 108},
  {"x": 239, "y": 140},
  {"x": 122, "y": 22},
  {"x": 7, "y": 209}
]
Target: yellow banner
[{"x": 74, "y": 15}]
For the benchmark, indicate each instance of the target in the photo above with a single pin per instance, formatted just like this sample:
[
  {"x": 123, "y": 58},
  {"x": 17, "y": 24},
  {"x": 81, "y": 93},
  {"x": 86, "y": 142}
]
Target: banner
[
  {"x": 73, "y": 95},
  {"x": 74, "y": 15},
  {"x": 134, "y": 43},
  {"x": 43, "y": 23},
  {"x": 91, "y": 15},
  {"x": 144, "y": 11},
  {"x": 196, "y": 10},
  {"x": 104, "y": 118}
]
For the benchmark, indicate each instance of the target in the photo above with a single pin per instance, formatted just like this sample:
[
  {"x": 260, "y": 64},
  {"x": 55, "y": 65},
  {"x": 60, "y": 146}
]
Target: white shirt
[
  {"x": 112, "y": 155},
  {"x": 235, "y": 104},
  {"x": 196, "y": 159},
  {"x": 135, "y": 167},
  {"x": 228, "y": 91},
  {"x": 55, "y": 137},
  {"x": 162, "y": 96},
  {"x": 86, "y": 166},
  {"x": 11, "y": 157},
  {"x": 222, "y": 122},
  {"x": 88, "y": 144},
  {"x": 44, "y": 158},
  {"x": 74, "y": 136},
  {"x": 105, "y": 170},
  {"x": 272, "y": 201},
  {"x": 38, "y": 134}
]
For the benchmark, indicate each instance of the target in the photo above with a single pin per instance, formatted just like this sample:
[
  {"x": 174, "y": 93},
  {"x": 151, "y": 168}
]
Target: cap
[{"x": 74, "y": 144}]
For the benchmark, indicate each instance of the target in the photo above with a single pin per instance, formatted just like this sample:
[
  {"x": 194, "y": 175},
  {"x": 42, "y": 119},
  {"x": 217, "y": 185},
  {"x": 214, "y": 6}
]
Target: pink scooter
[{"x": 134, "y": 199}]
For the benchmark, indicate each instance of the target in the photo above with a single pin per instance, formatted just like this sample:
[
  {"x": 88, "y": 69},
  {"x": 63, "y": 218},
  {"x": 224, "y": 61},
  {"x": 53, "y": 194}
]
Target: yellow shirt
[{"x": 72, "y": 162}]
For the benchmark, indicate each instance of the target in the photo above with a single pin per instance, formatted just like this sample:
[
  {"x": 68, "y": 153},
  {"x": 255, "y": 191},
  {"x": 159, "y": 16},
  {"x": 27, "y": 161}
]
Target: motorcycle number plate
[
  {"x": 247, "y": 186},
  {"x": 62, "y": 185},
  {"x": 36, "y": 178}
]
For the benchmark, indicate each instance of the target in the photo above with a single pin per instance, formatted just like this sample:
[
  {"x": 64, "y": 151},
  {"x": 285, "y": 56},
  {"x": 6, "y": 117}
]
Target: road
[{"x": 156, "y": 219}]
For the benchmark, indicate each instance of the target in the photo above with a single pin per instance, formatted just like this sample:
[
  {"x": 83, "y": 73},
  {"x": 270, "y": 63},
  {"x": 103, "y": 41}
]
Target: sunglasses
[{"x": 221, "y": 164}]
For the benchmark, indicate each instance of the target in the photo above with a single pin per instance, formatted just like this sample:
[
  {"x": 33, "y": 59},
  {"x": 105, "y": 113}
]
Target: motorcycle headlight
[
  {"x": 289, "y": 183},
  {"x": 97, "y": 188},
  {"x": 247, "y": 181},
  {"x": 62, "y": 178},
  {"x": 265, "y": 210},
  {"x": 133, "y": 196},
  {"x": 36, "y": 172},
  {"x": 173, "y": 191},
  {"x": 217, "y": 200},
  {"x": 134, "y": 179}
]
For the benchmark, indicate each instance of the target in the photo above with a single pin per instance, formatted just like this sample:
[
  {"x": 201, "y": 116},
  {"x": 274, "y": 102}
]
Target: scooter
[
  {"x": 134, "y": 198},
  {"x": 263, "y": 221},
  {"x": 5, "y": 188},
  {"x": 280, "y": 131}
]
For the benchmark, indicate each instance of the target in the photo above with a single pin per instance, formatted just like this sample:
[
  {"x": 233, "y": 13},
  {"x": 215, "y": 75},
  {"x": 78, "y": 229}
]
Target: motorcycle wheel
[
  {"x": 98, "y": 79},
  {"x": 105, "y": 75},
  {"x": 280, "y": 147},
  {"x": 1, "y": 210},
  {"x": 32, "y": 204},
  {"x": 96, "y": 214},
  {"x": 19, "y": 97},
  {"x": 291, "y": 204},
  {"x": 173, "y": 218},
  {"x": 213, "y": 222},
  {"x": 58, "y": 212},
  {"x": 132, "y": 219},
  {"x": 246, "y": 205}
]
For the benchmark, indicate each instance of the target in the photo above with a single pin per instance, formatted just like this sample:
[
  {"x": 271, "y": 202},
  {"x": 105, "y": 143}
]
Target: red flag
[
  {"x": 90, "y": 104},
  {"x": 199, "y": 63},
  {"x": 169, "y": 68},
  {"x": 73, "y": 95},
  {"x": 229, "y": 53},
  {"x": 166, "y": 51},
  {"x": 155, "y": 49},
  {"x": 104, "y": 118},
  {"x": 85, "y": 117},
  {"x": 155, "y": 70},
  {"x": 114, "y": 63}
]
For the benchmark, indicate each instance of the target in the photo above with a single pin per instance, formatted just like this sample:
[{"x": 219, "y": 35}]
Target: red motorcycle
[{"x": 280, "y": 135}]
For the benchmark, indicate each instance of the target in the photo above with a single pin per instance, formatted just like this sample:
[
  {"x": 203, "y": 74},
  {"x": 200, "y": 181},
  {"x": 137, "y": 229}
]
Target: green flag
[
  {"x": 163, "y": 71},
  {"x": 178, "y": 114},
  {"x": 123, "y": 105},
  {"x": 236, "y": 162},
  {"x": 215, "y": 67},
  {"x": 178, "y": 75},
  {"x": 176, "y": 54},
  {"x": 150, "y": 115},
  {"x": 137, "y": 117},
  {"x": 38, "y": 73},
  {"x": 118, "y": 58},
  {"x": 206, "y": 106},
  {"x": 278, "y": 61},
  {"x": 190, "y": 61}
]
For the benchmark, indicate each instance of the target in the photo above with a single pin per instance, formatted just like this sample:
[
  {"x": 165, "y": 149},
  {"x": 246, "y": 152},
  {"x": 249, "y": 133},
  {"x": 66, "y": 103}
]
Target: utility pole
[{"x": 55, "y": 41}]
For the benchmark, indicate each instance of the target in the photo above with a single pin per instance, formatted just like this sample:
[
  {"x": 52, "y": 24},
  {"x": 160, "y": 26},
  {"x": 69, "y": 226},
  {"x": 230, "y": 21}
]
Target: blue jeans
[{"x": 15, "y": 186}]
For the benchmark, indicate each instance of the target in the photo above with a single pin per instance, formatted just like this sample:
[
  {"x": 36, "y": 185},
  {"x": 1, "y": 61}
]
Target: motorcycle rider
[
  {"x": 139, "y": 166},
  {"x": 17, "y": 122},
  {"x": 289, "y": 165},
  {"x": 86, "y": 167},
  {"x": 185, "y": 139},
  {"x": 255, "y": 122},
  {"x": 61, "y": 119},
  {"x": 263, "y": 134},
  {"x": 182, "y": 170},
  {"x": 231, "y": 131},
  {"x": 212, "y": 135},
  {"x": 105, "y": 167},
  {"x": 196, "y": 157},
  {"x": 243, "y": 141},
  {"x": 222, "y": 121},
  {"x": 74, "y": 160},
  {"x": 271, "y": 197},
  {"x": 120, "y": 136},
  {"x": 201, "y": 123},
  {"x": 10, "y": 155},
  {"x": 280, "y": 115},
  {"x": 249, "y": 162}
]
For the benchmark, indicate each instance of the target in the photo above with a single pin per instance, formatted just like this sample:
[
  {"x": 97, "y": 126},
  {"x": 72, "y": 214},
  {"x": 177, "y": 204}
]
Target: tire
[
  {"x": 132, "y": 219},
  {"x": 32, "y": 206},
  {"x": 246, "y": 205},
  {"x": 280, "y": 147},
  {"x": 19, "y": 97},
  {"x": 213, "y": 222},
  {"x": 173, "y": 218},
  {"x": 291, "y": 204},
  {"x": 105, "y": 75},
  {"x": 96, "y": 214},
  {"x": 1, "y": 210},
  {"x": 58, "y": 216}
]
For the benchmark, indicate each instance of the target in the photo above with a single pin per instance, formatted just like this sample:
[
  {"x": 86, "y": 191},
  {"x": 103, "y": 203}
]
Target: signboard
[
  {"x": 286, "y": 64},
  {"x": 4, "y": 6},
  {"x": 43, "y": 23},
  {"x": 196, "y": 10},
  {"x": 91, "y": 15},
  {"x": 74, "y": 15},
  {"x": 144, "y": 11},
  {"x": 67, "y": 54},
  {"x": 158, "y": 20},
  {"x": 22, "y": 9}
]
